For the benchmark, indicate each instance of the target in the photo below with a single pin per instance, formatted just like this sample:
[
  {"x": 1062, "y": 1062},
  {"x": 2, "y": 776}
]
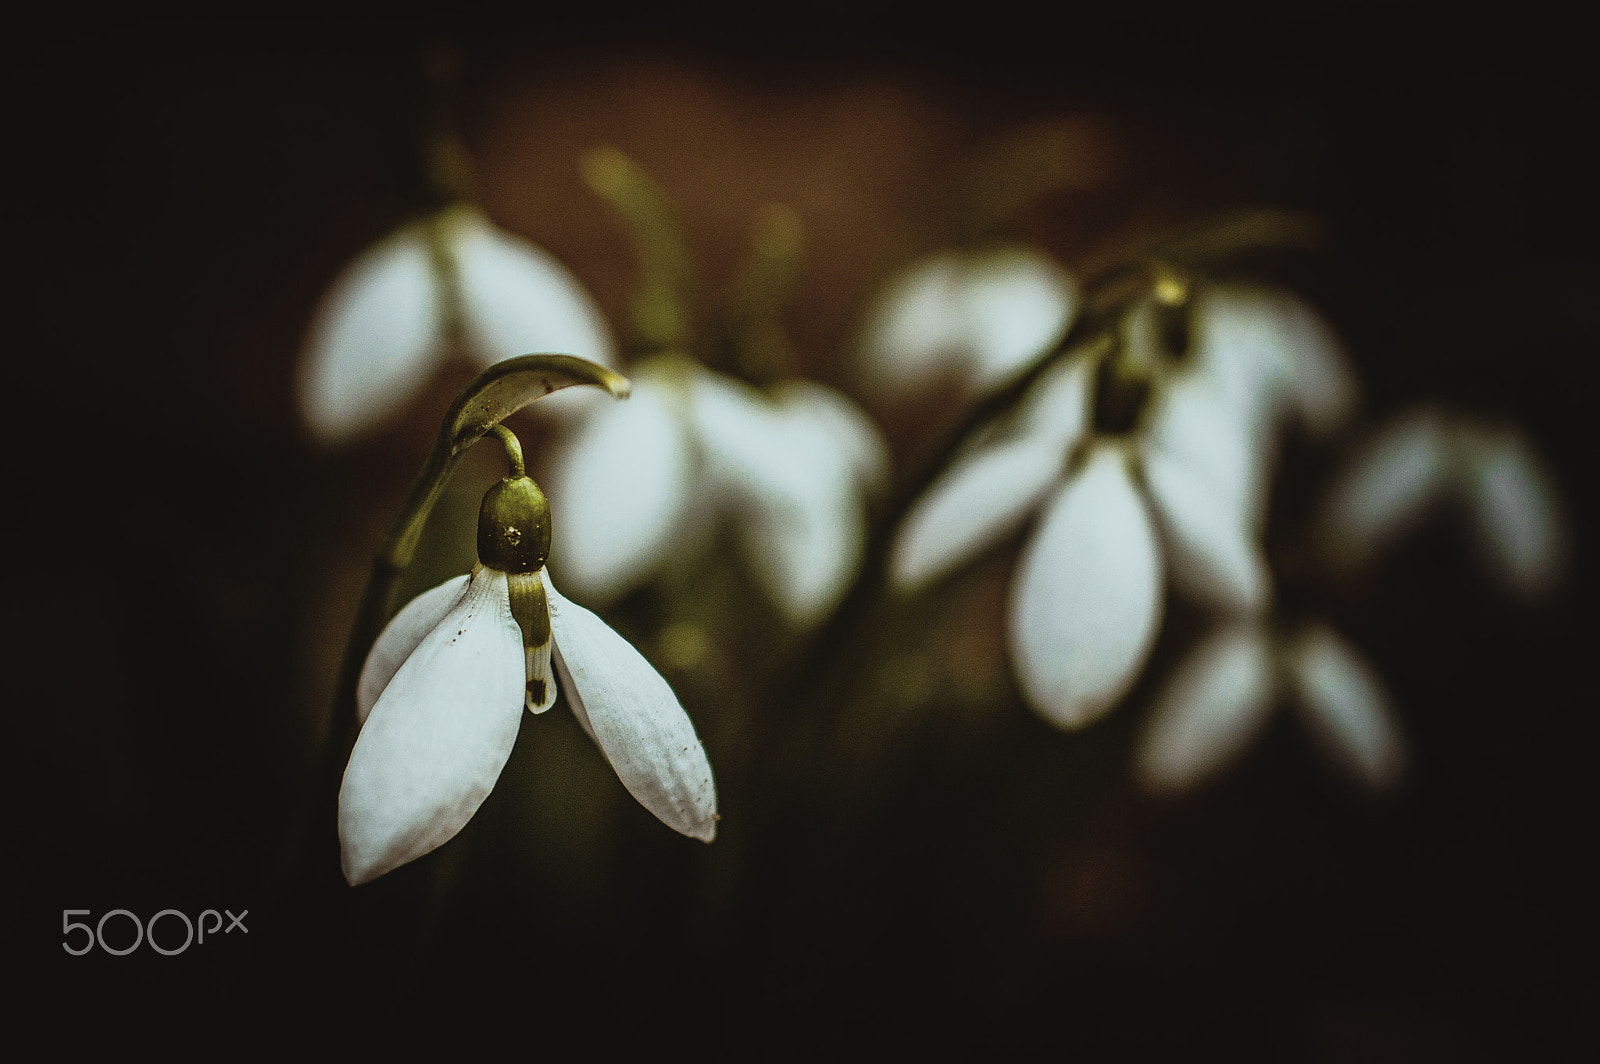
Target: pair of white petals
[
  {"x": 1087, "y": 595},
  {"x": 1428, "y": 460},
  {"x": 440, "y": 701},
  {"x": 381, "y": 330},
  {"x": 983, "y": 315},
  {"x": 644, "y": 481},
  {"x": 1219, "y": 698}
]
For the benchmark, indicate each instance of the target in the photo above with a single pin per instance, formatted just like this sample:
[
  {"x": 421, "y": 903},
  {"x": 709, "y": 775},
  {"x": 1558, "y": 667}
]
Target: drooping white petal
[
  {"x": 982, "y": 498},
  {"x": 913, "y": 331},
  {"x": 435, "y": 743},
  {"x": 1276, "y": 356},
  {"x": 1346, "y": 707},
  {"x": 1086, "y": 600},
  {"x": 1516, "y": 511},
  {"x": 1019, "y": 303},
  {"x": 826, "y": 411},
  {"x": 984, "y": 315},
  {"x": 401, "y": 636},
  {"x": 1193, "y": 422},
  {"x": 791, "y": 481},
  {"x": 618, "y": 492},
  {"x": 520, "y": 300},
  {"x": 1056, "y": 407},
  {"x": 376, "y": 338},
  {"x": 1394, "y": 481},
  {"x": 1318, "y": 385},
  {"x": 635, "y": 719},
  {"x": 1238, "y": 344},
  {"x": 1214, "y": 557},
  {"x": 1209, "y": 710}
]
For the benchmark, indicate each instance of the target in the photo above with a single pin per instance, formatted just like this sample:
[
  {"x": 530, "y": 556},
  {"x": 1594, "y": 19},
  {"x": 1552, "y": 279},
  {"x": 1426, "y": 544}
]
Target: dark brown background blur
[{"x": 183, "y": 195}]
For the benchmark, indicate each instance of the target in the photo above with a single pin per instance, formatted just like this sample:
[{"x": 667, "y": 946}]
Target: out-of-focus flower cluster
[{"x": 1128, "y": 443}]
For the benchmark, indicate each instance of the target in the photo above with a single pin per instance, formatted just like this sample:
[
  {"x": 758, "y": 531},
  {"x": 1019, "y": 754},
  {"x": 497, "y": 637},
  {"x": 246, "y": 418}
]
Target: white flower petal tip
[
  {"x": 374, "y": 340},
  {"x": 438, "y": 737},
  {"x": 985, "y": 315},
  {"x": 519, "y": 299},
  {"x": 981, "y": 499},
  {"x": 1087, "y": 597},
  {"x": 635, "y": 719},
  {"x": 1208, "y": 712},
  {"x": 1344, "y": 704},
  {"x": 1518, "y": 515}
]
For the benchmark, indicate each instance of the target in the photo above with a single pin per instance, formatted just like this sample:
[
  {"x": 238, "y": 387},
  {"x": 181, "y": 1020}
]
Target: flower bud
[{"x": 514, "y": 527}]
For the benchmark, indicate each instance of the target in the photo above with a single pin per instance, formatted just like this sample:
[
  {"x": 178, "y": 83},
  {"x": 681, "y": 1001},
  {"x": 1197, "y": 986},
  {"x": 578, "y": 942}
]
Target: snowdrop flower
[
  {"x": 1429, "y": 460},
  {"x": 984, "y": 315},
  {"x": 645, "y": 480},
  {"x": 441, "y": 695},
  {"x": 1219, "y": 697},
  {"x": 387, "y": 323},
  {"x": 1142, "y": 465}
]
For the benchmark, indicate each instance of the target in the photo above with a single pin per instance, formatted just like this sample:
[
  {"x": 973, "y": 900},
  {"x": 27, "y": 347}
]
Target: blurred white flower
[
  {"x": 646, "y": 480},
  {"x": 1428, "y": 460},
  {"x": 1182, "y": 493},
  {"x": 1219, "y": 697},
  {"x": 1086, "y": 599},
  {"x": 384, "y": 326},
  {"x": 440, "y": 701},
  {"x": 983, "y": 315}
]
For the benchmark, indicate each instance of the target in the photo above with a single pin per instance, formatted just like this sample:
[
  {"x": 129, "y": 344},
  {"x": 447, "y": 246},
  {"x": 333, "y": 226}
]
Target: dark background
[{"x": 188, "y": 564}]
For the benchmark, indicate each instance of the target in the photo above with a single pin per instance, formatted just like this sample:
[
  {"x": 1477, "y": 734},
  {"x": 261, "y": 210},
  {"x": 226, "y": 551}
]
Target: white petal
[
  {"x": 985, "y": 316},
  {"x": 1319, "y": 386},
  {"x": 618, "y": 492},
  {"x": 635, "y": 719},
  {"x": 913, "y": 331},
  {"x": 402, "y": 635},
  {"x": 1271, "y": 351},
  {"x": 1194, "y": 423},
  {"x": 375, "y": 340},
  {"x": 435, "y": 743},
  {"x": 791, "y": 481},
  {"x": 1056, "y": 408},
  {"x": 1209, "y": 710},
  {"x": 1346, "y": 707},
  {"x": 1516, "y": 511},
  {"x": 854, "y": 433},
  {"x": 520, "y": 299},
  {"x": 1019, "y": 303},
  {"x": 1214, "y": 558},
  {"x": 1086, "y": 601},
  {"x": 982, "y": 498},
  {"x": 1385, "y": 494},
  {"x": 1239, "y": 344}
]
